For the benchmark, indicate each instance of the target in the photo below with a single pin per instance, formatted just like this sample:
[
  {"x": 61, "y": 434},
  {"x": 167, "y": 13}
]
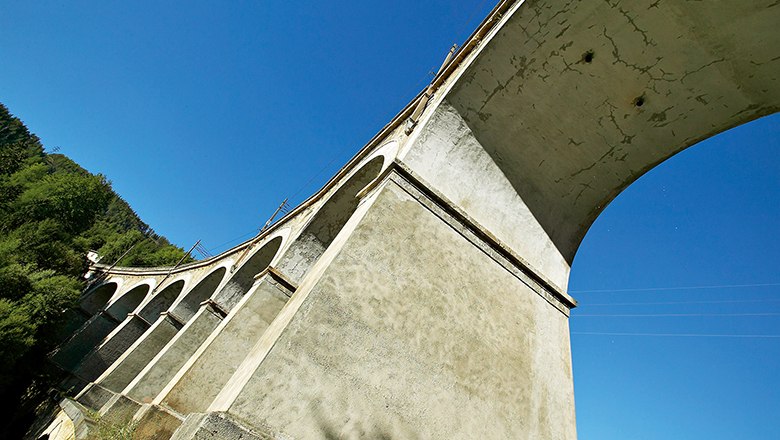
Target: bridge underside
[{"x": 575, "y": 100}]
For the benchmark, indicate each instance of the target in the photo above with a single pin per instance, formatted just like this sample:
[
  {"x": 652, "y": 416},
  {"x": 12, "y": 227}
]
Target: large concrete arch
[
  {"x": 571, "y": 102},
  {"x": 423, "y": 290}
]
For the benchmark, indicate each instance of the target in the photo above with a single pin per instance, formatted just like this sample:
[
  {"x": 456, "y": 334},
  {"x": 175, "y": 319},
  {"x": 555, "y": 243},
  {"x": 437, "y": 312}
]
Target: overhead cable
[
  {"x": 655, "y": 289},
  {"x": 659, "y": 303},
  {"x": 669, "y": 315},
  {"x": 679, "y": 335}
]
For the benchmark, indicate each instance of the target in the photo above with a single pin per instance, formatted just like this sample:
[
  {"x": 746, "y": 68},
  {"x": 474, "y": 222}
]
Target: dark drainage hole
[
  {"x": 588, "y": 56},
  {"x": 639, "y": 102}
]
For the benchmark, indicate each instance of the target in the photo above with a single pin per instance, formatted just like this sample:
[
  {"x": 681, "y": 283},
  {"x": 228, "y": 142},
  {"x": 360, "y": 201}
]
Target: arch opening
[
  {"x": 241, "y": 281},
  {"x": 329, "y": 221},
  {"x": 699, "y": 219},
  {"x": 97, "y": 298},
  {"x": 189, "y": 305},
  {"x": 128, "y": 302},
  {"x": 161, "y": 301}
]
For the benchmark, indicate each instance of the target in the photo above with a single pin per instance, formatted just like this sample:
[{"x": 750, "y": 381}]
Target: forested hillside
[{"x": 52, "y": 212}]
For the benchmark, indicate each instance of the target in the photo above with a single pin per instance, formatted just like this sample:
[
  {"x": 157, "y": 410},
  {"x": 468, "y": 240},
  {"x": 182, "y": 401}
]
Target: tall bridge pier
[{"x": 422, "y": 292}]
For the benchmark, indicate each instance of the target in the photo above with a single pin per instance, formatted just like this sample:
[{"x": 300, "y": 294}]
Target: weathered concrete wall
[
  {"x": 112, "y": 347},
  {"x": 326, "y": 222},
  {"x": 70, "y": 354},
  {"x": 199, "y": 382},
  {"x": 448, "y": 156},
  {"x": 412, "y": 331},
  {"x": 163, "y": 367},
  {"x": 138, "y": 356}
]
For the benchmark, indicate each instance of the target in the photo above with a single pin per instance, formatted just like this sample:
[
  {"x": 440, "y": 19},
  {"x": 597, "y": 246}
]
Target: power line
[
  {"x": 203, "y": 251},
  {"x": 657, "y": 303},
  {"x": 473, "y": 12},
  {"x": 680, "y": 335},
  {"x": 672, "y": 315},
  {"x": 653, "y": 289},
  {"x": 234, "y": 240}
]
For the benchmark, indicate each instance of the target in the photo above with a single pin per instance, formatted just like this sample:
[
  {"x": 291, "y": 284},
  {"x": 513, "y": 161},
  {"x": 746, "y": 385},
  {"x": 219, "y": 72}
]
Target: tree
[{"x": 52, "y": 212}]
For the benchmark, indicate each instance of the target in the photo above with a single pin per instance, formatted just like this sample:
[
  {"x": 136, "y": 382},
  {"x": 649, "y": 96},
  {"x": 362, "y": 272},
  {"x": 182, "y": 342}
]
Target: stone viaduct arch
[
  {"x": 161, "y": 301},
  {"x": 110, "y": 305},
  {"x": 203, "y": 290},
  {"x": 175, "y": 313},
  {"x": 327, "y": 222},
  {"x": 422, "y": 291},
  {"x": 132, "y": 311},
  {"x": 242, "y": 279},
  {"x": 263, "y": 303},
  {"x": 129, "y": 300},
  {"x": 97, "y": 298}
]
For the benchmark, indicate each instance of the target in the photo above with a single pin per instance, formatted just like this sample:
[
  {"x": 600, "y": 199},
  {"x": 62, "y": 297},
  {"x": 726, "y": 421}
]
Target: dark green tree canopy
[{"x": 52, "y": 212}]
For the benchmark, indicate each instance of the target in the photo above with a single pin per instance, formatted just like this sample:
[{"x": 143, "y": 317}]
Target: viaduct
[{"x": 422, "y": 292}]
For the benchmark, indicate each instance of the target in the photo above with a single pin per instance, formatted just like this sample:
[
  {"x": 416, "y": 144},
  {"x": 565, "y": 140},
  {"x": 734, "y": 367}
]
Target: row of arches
[
  {"x": 312, "y": 242},
  {"x": 220, "y": 285},
  {"x": 101, "y": 298}
]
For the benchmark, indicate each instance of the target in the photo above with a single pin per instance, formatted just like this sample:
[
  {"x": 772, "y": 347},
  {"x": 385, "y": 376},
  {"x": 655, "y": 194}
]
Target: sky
[{"x": 206, "y": 116}]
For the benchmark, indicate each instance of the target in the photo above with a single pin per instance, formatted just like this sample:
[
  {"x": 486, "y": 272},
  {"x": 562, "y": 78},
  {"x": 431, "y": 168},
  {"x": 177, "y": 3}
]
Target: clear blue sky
[{"x": 205, "y": 117}]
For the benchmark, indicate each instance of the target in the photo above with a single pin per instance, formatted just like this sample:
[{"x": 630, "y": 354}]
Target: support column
[
  {"x": 414, "y": 323},
  {"x": 84, "y": 340},
  {"x": 135, "y": 358},
  {"x": 202, "y": 378},
  {"x": 162, "y": 368},
  {"x": 112, "y": 347}
]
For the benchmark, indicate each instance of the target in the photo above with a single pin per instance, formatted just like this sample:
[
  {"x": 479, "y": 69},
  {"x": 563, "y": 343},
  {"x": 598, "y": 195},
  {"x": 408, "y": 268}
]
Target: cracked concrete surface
[{"x": 570, "y": 134}]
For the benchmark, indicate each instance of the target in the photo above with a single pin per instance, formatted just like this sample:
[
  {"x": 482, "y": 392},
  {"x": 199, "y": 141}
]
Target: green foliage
[
  {"x": 50, "y": 295},
  {"x": 114, "y": 431},
  {"x": 8, "y": 248},
  {"x": 18, "y": 336},
  {"x": 12, "y": 157},
  {"x": 14, "y": 282},
  {"x": 52, "y": 212},
  {"x": 29, "y": 175},
  {"x": 74, "y": 200}
]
